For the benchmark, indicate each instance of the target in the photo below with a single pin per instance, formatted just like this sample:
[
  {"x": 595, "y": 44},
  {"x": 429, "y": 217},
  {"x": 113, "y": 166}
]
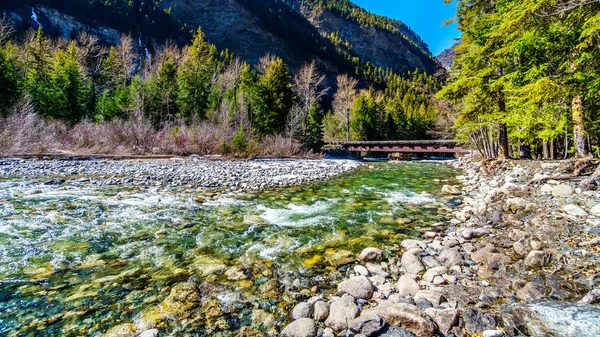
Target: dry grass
[{"x": 23, "y": 132}]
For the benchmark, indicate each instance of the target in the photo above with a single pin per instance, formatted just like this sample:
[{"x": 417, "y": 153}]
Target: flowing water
[{"x": 75, "y": 260}]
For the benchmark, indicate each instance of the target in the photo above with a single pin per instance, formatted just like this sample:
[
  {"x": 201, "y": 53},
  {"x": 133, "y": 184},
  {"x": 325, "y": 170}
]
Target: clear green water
[{"x": 75, "y": 260}]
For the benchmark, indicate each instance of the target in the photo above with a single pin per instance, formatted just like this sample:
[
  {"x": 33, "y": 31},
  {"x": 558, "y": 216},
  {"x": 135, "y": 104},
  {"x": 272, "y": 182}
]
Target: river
[{"x": 77, "y": 260}]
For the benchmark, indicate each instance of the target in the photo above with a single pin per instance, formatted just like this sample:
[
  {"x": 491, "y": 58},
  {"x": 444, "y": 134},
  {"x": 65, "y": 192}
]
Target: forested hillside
[
  {"x": 86, "y": 94},
  {"x": 526, "y": 77}
]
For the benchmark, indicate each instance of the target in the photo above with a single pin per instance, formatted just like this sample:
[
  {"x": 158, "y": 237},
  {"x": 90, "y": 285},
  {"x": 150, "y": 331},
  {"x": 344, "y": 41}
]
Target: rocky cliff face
[
  {"x": 251, "y": 29},
  {"x": 446, "y": 58}
]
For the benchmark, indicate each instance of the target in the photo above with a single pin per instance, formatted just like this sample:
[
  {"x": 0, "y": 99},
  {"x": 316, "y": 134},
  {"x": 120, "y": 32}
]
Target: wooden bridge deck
[{"x": 405, "y": 146}]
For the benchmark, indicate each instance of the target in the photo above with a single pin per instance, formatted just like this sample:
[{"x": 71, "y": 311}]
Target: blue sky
[{"x": 424, "y": 17}]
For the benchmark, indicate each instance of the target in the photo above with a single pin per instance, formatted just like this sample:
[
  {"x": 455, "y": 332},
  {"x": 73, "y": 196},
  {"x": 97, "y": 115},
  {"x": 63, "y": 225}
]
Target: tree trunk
[
  {"x": 503, "y": 141},
  {"x": 545, "y": 151},
  {"x": 578, "y": 127}
]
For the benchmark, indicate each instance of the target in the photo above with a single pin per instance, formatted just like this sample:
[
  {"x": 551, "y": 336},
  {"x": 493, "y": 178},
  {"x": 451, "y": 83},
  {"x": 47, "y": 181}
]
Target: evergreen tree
[
  {"x": 10, "y": 81},
  {"x": 274, "y": 100},
  {"x": 194, "y": 78},
  {"x": 69, "y": 87}
]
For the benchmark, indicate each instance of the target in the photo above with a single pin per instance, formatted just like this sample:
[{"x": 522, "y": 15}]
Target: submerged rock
[{"x": 122, "y": 330}]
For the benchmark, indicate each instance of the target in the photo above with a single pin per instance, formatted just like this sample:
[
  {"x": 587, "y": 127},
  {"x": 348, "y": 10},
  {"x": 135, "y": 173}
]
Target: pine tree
[
  {"x": 275, "y": 99},
  {"x": 10, "y": 81},
  {"x": 194, "y": 78}
]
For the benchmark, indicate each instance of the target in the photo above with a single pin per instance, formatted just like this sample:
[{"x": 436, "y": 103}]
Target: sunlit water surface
[{"x": 76, "y": 260}]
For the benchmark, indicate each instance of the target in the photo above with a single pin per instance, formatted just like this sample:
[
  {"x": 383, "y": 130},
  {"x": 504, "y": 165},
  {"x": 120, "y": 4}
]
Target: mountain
[
  {"x": 341, "y": 36},
  {"x": 446, "y": 57}
]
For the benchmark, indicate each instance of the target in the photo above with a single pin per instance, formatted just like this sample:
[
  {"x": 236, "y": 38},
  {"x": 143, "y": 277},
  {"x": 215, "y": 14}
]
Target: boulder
[
  {"x": 341, "y": 312},
  {"x": 407, "y": 316},
  {"x": 493, "y": 333},
  {"x": 367, "y": 325},
  {"x": 371, "y": 255},
  {"x": 304, "y": 327},
  {"x": 552, "y": 318},
  {"x": 302, "y": 310},
  {"x": 359, "y": 287},
  {"x": 444, "y": 318},
  {"x": 407, "y": 286},
  {"x": 411, "y": 264}
]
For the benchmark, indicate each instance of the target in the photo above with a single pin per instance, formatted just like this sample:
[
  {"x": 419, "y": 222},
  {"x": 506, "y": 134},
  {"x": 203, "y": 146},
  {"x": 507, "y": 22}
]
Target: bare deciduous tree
[
  {"x": 91, "y": 54},
  {"x": 264, "y": 63},
  {"x": 6, "y": 29},
  {"x": 308, "y": 87},
  {"x": 230, "y": 80},
  {"x": 312, "y": 13},
  {"x": 127, "y": 55},
  {"x": 343, "y": 100}
]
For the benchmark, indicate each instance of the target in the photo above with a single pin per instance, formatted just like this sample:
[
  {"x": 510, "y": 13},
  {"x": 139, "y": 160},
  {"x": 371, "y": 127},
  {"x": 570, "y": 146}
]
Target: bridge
[{"x": 405, "y": 146}]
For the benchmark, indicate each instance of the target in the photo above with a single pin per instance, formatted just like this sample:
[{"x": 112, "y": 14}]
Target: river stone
[
  {"x": 433, "y": 296},
  {"x": 493, "y": 333},
  {"x": 405, "y": 315},
  {"x": 444, "y": 318},
  {"x": 304, "y": 327},
  {"x": 450, "y": 257},
  {"x": 562, "y": 190},
  {"x": 361, "y": 270},
  {"x": 537, "y": 259},
  {"x": 595, "y": 210},
  {"x": 433, "y": 272},
  {"x": 407, "y": 286},
  {"x": 338, "y": 258},
  {"x": 516, "y": 204},
  {"x": 341, "y": 312},
  {"x": 411, "y": 264},
  {"x": 553, "y": 318},
  {"x": 320, "y": 311},
  {"x": 149, "y": 333},
  {"x": 479, "y": 321},
  {"x": 371, "y": 255},
  {"x": 574, "y": 210},
  {"x": 450, "y": 190},
  {"x": 474, "y": 233},
  {"x": 122, "y": 330},
  {"x": 411, "y": 243},
  {"x": 301, "y": 310},
  {"x": 519, "y": 248},
  {"x": 531, "y": 291},
  {"x": 367, "y": 325},
  {"x": 394, "y": 331},
  {"x": 358, "y": 287},
  {"x": 236, "y": 273}
]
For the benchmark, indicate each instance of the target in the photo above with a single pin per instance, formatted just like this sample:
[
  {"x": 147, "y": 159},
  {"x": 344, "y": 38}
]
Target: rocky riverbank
[
  {"x": 516, "y": 259},
  {"x": 250, "y": 175}
]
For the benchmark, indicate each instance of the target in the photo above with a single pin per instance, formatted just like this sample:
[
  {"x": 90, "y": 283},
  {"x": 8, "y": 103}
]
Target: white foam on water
[
  {"x": 295, "y": 215},
  {"x": 225, "y": 201},
  {"x": 408, "y": 197}
]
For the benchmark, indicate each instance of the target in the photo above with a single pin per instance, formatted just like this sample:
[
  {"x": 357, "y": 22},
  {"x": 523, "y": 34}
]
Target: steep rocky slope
[
  {"x": 446, "y": 58},
  {"x": 249, "y": 29}
]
